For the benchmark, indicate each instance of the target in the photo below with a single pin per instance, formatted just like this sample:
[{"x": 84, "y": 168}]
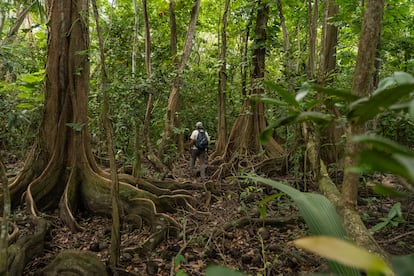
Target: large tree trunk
[
  {"x": 244, "y": 140},
  {"x": 330, "y": 150},
  {"x": 329, "y": 41},
  {"x": 60, "y": 171}
]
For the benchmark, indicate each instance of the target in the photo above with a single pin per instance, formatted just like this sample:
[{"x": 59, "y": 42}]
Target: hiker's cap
[{"x": 199, "y": 125}]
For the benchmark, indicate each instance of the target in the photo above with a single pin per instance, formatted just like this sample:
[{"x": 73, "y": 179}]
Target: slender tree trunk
[
  {"x": 149, "y": 151},
  {"x": 21, "y": 15},
  {"x": 173, "y": 33},
  {"x": 286, "y": 41},
  {"x": 221, "y": 99},
  {"x": 148, "y": 68},
  {"x": 313, "y": 25},
  {"x": 244, "y": 53},
  {"x": 362, "y": 85},
  {"x": 136, "y": 167},
  {"x": 172, "y": 107},
  {"x": 116, "y": 225},
  {"x": 378, "y": 64}
]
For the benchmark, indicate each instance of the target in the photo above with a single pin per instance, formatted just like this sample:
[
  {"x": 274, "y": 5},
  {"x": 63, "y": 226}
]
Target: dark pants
[{"x": 202, "y": 157}]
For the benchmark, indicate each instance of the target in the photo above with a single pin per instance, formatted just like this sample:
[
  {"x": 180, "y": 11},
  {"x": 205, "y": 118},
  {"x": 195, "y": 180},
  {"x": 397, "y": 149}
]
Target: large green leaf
[
  {"x": 403, "y": 265},
  {"x": 319, "y": 214},
  {"x": 32, "y": 78},
  {"x": 266, "y": 134},
  {"x": 384, "y": 155},
  {"x": 294, "y": 118},
  {"x": 398, "y": 164},
  {"x": 267, "y": 100},
  {"x": 390, "y": 91},
  {"x": 343, "y": 95},
  {"x": 286, "y": 95},
  {"x": 216, "y": 270},
  {"x": 317, "y": 117},
  {"x": 384, "y": 190},
  {"x": 383, "y": 144},
  {"x": 345, "y": 253}
]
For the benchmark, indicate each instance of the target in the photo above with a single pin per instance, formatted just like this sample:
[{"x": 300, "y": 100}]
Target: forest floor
[{"x": 228, "y": 232}]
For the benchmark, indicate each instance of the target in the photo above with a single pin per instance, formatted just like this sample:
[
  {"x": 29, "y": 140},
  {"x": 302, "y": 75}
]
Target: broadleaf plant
[{"x": 319, "y": 214}]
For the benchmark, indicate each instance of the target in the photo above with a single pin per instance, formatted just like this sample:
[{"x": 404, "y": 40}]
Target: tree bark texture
[
  {"x": 138, "y": 144},
  {"x": 329, "y": 43},
  {"x": 330, "y": 150},
  {"x": 222, "y": 84},
  {"x": 362, "y": 86},
  {"x": 243, "y": 142},
  {"x": 313, "y": 16}
]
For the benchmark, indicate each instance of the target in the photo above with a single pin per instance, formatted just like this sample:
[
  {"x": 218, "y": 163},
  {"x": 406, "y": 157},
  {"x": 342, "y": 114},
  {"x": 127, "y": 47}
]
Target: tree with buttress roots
[
  {"x": 60, "y": 171},
  {"x": 244, "y": 146}
]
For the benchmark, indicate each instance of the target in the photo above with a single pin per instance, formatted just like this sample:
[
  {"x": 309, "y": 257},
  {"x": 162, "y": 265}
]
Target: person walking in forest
[{"x": 199, "y": 141}]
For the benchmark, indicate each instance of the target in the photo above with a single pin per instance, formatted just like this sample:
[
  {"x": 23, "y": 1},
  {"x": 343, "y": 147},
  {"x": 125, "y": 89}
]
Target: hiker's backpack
[{"x": 201, "y": 142}]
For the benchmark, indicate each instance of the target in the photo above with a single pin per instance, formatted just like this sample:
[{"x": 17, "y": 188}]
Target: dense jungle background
[{"x": 308, "y": 105}]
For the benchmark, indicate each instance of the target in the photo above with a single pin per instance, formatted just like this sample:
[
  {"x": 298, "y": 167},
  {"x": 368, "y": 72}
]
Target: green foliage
[
  {"x": 403, "y": 265},
  {"x": 377, "y": 154},
  {"x": 386, "y": 156},
  {"x": 76, "y": 126},
  {"x": 263, "y": 202},
  {"x": 345, "y": 253},
  {"x": 21, "y": 101},
  {"x": 220, "y": 271},
  {"x": 319, "y": 214},
  {"x": 391, "y": 91},
  {"x": 397, "y": 127},
  {"x": 393, "y": 219}
]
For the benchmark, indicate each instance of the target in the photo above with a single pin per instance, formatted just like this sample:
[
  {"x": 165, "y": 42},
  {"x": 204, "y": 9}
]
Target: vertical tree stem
[{"x": 115, "y": 234}]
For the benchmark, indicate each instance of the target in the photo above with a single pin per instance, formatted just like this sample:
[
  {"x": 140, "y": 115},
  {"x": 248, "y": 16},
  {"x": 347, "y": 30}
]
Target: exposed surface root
[
  {"x": 269, "y": 166},
  {"x": 15, "y": 230},
  {"x": 75, "y": 262},
  {"x": 27, "y": 247},
  {"x": 88, "y": 187}
]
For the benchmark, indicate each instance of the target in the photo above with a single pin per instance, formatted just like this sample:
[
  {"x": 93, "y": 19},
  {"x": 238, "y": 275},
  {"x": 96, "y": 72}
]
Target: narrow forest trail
[{"x": 227, "y": 231}]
